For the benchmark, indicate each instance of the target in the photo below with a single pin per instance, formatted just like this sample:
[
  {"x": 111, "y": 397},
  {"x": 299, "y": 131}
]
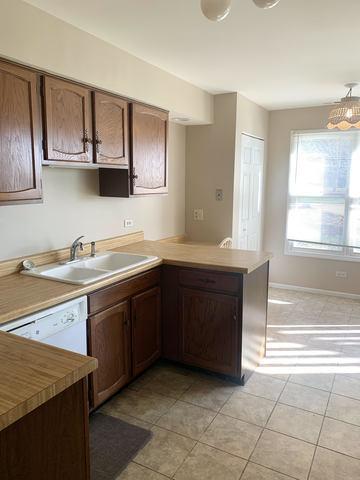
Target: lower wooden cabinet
[
  {"x": 124, "y": 332},
  {"x": 109, "y": 342},
  {"x": 209, "y": 330},
  {"x": 146, "y": 329}
]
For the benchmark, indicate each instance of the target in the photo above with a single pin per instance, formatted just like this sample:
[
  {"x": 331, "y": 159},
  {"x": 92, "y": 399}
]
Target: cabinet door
[
  {"x": 20, "y": 135},
  {"x": 146, "y": 337},
  {"x": 149, "y": 150},
  {"x": 111, "y": 129},
  {"x": 109, "y": 335},
  {"x": 67, "y": 109},
  {"x": 209, "y": 330}
]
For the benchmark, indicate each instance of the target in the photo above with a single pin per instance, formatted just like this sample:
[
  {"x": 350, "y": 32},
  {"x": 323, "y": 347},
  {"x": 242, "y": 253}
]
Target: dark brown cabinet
[
  {"x": 109, "y": 342},
  {"x": 149, "y": 127},
  {"x": 67, "y": 121},
  {"x": 146, "y": 335},
  {"x": 209, "y": 330},
  {"x": 215, "y": 320},
  {"x": 20, "y": 136},
  {"x": 124, "y": 332},
  {"x": 111, "y": 129}
]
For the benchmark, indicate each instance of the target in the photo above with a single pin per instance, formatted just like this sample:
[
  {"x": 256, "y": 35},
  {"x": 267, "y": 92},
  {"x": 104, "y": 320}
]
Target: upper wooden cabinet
[
  {"x": 111, "y": 129},
  {"x": 67, "y": 121},
  {"x": 20, "y": 136},
  {"x": 149, "y": 127}
]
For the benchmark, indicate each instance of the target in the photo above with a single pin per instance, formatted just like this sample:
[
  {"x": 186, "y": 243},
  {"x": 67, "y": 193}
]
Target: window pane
[
  {"x": 320, "y": 164},
  {"x": 354, "y": 225},
  {"x": 319, "y": 222}
]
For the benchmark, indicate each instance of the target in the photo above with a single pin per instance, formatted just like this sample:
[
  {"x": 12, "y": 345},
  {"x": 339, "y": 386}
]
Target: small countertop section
[
  {"x": 31, "y": 373},
  {"x": 201, "y": 256},
  {"x": 22, "y": 295}
]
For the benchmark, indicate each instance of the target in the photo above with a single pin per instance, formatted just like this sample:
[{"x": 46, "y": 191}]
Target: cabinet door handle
[
  {"x": 206, "y": 280},
  {"x": 133, "y": 176},
  {"x": 98, "y": 141},
  {"x": 86, "y": 140}
]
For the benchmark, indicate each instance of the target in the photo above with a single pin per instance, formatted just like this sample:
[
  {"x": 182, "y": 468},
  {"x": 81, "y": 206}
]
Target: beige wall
[
  {"x": 210, "y": 154},
  {"x": 72, "y": 207},
  {"x": 212, "y": 161},
  {"x": 299, "y": 271},
  {"x": 34, "y": 37}
]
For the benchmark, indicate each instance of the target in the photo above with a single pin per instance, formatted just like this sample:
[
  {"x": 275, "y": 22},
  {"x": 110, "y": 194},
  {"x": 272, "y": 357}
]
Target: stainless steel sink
[{"x": 90, "y": 269}]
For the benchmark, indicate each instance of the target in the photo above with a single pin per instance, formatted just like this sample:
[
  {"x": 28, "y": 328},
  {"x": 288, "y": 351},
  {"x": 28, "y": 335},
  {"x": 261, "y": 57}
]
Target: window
[{"x": 323, "y": 216}]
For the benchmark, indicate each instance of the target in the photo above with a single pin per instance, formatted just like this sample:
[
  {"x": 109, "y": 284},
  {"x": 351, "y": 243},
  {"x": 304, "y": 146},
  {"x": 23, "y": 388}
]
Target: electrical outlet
[
  {"x": 219, "y": 194},
  {"x": 128, "y": 223},
  {"x": 198, "y": 214},
  {"x": 341, "y": 274}
]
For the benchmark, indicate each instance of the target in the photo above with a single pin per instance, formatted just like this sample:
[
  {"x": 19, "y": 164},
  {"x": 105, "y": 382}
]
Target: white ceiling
[{"x": 299, "y": 53}]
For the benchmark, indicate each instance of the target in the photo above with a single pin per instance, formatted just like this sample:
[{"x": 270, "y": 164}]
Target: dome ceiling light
[
  {"x": 217, "y": 10},
  {"x": 346, "y": 114}
]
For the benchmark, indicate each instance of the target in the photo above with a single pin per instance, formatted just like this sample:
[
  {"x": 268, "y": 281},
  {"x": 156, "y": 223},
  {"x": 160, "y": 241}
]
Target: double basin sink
[{"x": 90, "y": 269}]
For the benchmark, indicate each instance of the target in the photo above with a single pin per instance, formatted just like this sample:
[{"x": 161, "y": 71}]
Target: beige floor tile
[
  {"x": 264, "y": 386},
  {"x": 329, "y": 465},
  {"x": 169, "y": 383},
  {"x": 323, "y": 381},
  {"x": 249, "y": 408},
  {"x": 341, "y": 437},
  {"x": 296, "y": 423},
  {"x": 348, "y": 386},
  {"x": 257, "y": 472},
  {"x": 306, "y": 398},
  {"x": 107, "y": 409},
  {"x": 145, "y": 406},
  {"x": 187, "y": 419},
  {"x": 165, "y": 452},
  {"x": 284, "y": 454},
  {"x": 208, "y": 393},
  {"x": 207, "y": 463},
  {"x": 137, "y": 472},
  {"x": 344, "y": 408},
  {"x": 232, "y": 436}
]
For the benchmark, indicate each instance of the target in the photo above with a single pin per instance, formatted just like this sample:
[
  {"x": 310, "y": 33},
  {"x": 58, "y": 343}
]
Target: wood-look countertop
[
  {"x": 22, "y": 295},
  {"x": 31, "y": 373}
]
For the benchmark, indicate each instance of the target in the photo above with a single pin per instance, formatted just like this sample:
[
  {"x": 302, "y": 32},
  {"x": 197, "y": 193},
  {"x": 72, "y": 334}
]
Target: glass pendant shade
[
  {"x": 266, "y": 3},
  {"x": 346, "y": 115},
  {"x": 215, "y": 10}
]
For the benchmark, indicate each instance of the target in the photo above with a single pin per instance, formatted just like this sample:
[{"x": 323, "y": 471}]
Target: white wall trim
[{"x": 315, "y": 290}]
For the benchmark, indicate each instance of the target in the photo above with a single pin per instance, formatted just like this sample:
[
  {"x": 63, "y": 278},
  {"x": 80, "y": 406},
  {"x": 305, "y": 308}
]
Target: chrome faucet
[{"x": 74, "y": 249}]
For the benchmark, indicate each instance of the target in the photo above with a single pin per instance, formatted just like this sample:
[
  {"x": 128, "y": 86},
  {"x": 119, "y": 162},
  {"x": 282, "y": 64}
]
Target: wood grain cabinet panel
[
  {"x": 111, "y": 129},
  {"x": 109, "y": 342},
  {"x": 146, "y": 329},
  {"x": 209, "y": 330},
  {"x": 149, "y": 128},
  {"x": 68, "y": 126},
  {"x": 20, "y": 141}
]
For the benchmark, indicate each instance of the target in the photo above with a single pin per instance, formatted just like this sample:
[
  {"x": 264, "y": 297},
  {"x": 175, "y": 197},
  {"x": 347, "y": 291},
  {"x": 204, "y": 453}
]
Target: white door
[{"x": 251, "y": 186}]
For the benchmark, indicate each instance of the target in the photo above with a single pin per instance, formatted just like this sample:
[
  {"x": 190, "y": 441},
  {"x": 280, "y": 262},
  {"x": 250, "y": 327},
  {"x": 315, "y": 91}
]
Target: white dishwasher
[{"x": 62, "y": 326}]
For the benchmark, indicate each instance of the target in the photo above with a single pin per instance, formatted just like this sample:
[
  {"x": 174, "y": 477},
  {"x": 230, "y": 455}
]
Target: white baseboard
[{"x": 314, "y": 290}]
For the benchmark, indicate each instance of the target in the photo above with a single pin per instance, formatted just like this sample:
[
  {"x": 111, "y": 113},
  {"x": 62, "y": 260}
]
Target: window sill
[{"x": 322, "y": 256}]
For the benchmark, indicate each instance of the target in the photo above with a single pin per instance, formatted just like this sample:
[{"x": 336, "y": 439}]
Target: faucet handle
[
  {"x": 93, "y": 249},
  {"x": 81, "y": 246}
]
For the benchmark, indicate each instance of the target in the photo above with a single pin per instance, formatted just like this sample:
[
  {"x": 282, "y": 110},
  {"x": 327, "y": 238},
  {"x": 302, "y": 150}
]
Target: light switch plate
[
  {"x": 128, "y": 223},
  {"x": 198, "y": 214}
]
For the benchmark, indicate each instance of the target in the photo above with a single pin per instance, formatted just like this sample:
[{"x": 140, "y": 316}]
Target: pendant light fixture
[
  {"x": 346, "y": 114},
  {"x": 266, "y": 3},
  {"x": 216, "y": 10}
]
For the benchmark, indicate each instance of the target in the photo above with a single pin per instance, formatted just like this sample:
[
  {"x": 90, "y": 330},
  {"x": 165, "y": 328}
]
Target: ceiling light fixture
[
  {"x": 346, "y": 114},
  {"x": 215, "y": 10},
  {"x": 266, "y": 3}
]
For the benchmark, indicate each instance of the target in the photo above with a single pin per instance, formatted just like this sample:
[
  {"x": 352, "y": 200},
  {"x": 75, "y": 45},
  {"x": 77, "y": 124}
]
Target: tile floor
[{"x": 298, "y": 417}]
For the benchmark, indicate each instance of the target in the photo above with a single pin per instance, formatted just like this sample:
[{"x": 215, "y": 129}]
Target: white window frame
[{"x": 347, "y": 254}]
